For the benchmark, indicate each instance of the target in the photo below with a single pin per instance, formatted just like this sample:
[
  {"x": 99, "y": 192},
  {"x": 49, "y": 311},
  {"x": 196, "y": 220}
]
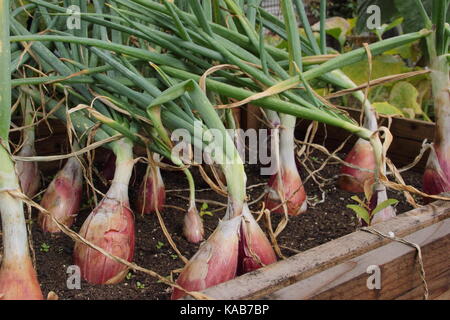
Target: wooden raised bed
[{"x": 338, "y": 269}]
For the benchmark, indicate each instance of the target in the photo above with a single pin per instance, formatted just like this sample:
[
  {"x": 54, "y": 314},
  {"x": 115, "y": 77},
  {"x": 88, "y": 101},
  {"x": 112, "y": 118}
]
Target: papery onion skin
[
  {"x": 149, "y": 200},
  {"x": 255, "y": 250},
  {"x": 435, "y": 179},
  {"x": 28, "y": 172},
  {"x": 63, "y": 197},
  {"x": 18, "y": 281},
  {"x": 362, "y": 156},
  {"x": 291, "y": 186},
  {"x": 111, "y": 227},
  {"x": 193, "y": 229},
  {"x": 293, "y": 191},
  {"x": 215, "y": 262},
  {"x": 379, "y": 196}
]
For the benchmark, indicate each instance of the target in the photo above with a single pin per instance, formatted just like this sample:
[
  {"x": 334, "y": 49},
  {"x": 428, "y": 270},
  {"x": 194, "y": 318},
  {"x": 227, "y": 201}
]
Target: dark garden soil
[{"x": 323, "y": 222}]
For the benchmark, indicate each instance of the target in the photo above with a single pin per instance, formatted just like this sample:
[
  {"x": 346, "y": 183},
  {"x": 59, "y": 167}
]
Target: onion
[
  {"x": 152, "y": 193},
  {"x": 63, "y": 196},
  {"x": 362, "y": 156},
  {"x": 436, "y": 178},
  {"x": 379, "y": 196},
  {"x": 28, "y": 171},
  {"x": 290, "y": 184},
  {"x": 255, "y": 250},
  {"x": 193, "y": 225},
  {"x": 18, "y": 279},
  {"x": 110, "y": 226},
  {"x": 215, "y": 262}
]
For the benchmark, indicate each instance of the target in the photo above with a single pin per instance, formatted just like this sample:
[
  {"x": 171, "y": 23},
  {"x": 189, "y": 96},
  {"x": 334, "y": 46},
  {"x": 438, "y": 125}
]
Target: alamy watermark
[
  {"x": 374, "y": 281},
  {"x": 74, "y": 20},
  {"x": 374, "y": 20},
  {"x": 74, "y": 278},
  {"x": 208, "y": 146}
]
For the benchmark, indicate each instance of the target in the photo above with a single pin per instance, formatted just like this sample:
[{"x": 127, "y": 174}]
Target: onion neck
[
  {"x": 236, "y": 187},
  {"x": 380, "y": 165},
  {"x": 15, "y": 244},
  {"x": 287, "y": 142},
  {"x": 441, "y": 84},
  {"x": 123, "y": 149}
]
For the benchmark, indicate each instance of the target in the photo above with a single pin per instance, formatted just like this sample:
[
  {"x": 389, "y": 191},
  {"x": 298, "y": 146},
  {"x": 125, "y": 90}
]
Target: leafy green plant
[
  {"x": 44, "y": 247},
  {"x": 159, "y": 245},
  {"x": 363, "y": 211},
  {"x": 204, "y": 210}
]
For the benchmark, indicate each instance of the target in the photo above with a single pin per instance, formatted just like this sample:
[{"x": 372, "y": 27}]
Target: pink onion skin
[
  {"x": 379, "y": 196},
  {"x": 294, "y": 193},
  {"x": 255, "y": 250},
  {"x": 352, "y": 180},
  {"x": 436, "y": 178},
  {"x": 63, "y": 197},
  {"x": 193, "y": 229},
  {"x": 215, "y": 262},
  {"x": 18, "y": 281},
  {"x": 147, "y": 202},
  {"x": 28, "y": 172},
  {"x": 111, "y": 227}
]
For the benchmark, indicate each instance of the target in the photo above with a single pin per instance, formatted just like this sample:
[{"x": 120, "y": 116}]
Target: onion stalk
[
  {"x": 193, "y": 229},
  {"x": 28, "y": 171},
  {"x": 436, "y": 178},
  {"x": 18, "y": 279},
  {"x": 285, "y": 188}
]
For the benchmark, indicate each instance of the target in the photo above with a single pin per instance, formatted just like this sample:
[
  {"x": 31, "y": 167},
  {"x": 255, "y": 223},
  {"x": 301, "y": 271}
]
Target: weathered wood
[
  {"x": 444, "y": 296},
  {"x": 272, "y": 278},
  {"x": 399, "y": 271}
]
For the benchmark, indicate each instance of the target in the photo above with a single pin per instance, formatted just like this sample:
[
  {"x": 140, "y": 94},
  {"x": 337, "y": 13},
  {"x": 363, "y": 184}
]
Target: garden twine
[{"x": 408, "y": 243}]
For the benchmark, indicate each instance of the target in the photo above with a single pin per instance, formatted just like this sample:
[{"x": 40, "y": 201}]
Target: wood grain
[{"x": 400, "y": 277}]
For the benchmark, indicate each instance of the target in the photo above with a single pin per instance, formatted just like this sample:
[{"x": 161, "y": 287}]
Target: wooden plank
[
  {"x": 271, "y": 278},
  {"x": 444, "y": 296},
  {"x": 398, "y": 269}
]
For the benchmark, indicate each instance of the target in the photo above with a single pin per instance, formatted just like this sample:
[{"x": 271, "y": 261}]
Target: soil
[{"x": 323, "y": 222}]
